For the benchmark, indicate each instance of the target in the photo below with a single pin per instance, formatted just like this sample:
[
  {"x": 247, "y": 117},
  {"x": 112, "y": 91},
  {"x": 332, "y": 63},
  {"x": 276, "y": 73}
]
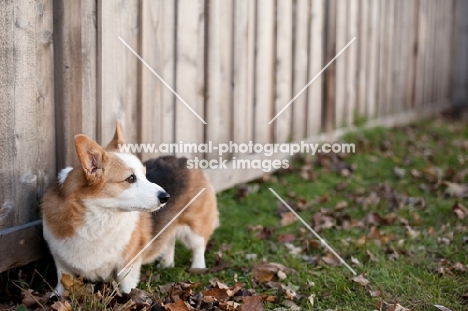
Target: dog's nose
[{"x": 163, "y": 196}]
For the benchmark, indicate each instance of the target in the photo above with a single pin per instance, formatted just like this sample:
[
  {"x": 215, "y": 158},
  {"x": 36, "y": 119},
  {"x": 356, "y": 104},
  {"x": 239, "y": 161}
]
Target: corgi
[{"x": 102, "y": 213}]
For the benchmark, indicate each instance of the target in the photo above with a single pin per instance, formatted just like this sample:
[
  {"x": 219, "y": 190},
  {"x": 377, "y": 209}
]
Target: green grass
[{"x": 411, "y": 279}]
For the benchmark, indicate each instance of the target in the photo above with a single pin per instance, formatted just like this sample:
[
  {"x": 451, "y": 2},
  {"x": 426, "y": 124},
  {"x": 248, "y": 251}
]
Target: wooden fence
[{"x": 235, "y": 62}]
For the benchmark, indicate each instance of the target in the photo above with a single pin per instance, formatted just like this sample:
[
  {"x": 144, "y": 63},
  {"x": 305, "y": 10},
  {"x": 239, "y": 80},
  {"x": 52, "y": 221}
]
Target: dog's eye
[{"x": 131, "y": 179}]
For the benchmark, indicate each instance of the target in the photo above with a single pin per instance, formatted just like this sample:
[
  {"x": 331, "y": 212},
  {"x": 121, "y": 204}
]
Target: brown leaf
[
  {"x": 331, "y": 260},
  {"x": 177, "y": 306},
  {"x": 456, "y": 189},
  {"x": 140, "y": 297},
  {"x": 217, "y": 293},
  {"x": 287, "y": 219},
  {"x": 61, "y": 306},
  {"x": 252, "y": 303},
  {"x": 265, "y": 272},
  {"x": 460, "y": 210},
  {"x": 361, "y": 280}
]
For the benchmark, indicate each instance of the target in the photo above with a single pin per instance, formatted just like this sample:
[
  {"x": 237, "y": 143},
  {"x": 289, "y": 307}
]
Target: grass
[
  {"x": 414, "y": 258},
  {"x": 411, "y": 279}
]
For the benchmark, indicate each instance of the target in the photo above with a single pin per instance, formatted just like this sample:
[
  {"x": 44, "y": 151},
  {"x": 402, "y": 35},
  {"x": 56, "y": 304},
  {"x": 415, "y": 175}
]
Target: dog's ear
[
  {"x": 118, "y": 138},
  {"x": 91, "y": 157}
]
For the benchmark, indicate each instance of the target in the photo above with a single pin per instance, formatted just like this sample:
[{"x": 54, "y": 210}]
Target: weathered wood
[
  {"x": 168, "y": 57},
  {"x": 119, "y": 68},
  {"x": 243, "y": 53},
  {"x": 20, "y": 245},
  {"x": 89, "y": 56},
  {"x": 411, "y": 53},
  {"x": 363, "y": 51},
  {"x": 351, "y": 61},
  {"x": 330, "y": 73},
  {"x": 190, "y": 71},
  {"x": 420, "y": 53},
  {"x": 341, "y": 109},
  {"x": 373, "y": 66},
  {"x": 27, "y": 141},
  {"x": 151, "y": 117},
  {"x": 283, "y": 70},
  {"x": 315, "y": 90},
  {"x": 219, "y": 72},
  {"x": 264, "y": 74},
  {"x": 301, "y": 58},
  {"x": 389, "y": 39}
]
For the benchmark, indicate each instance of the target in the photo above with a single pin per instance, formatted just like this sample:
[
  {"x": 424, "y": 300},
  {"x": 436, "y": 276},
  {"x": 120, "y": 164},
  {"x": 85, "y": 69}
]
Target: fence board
[
  {"x": 264, "y": 73},
  {"x": 26, "y": 88},
  {"x": 373, "y": 66},
  {"x": 411, "y": 52},
  {"x": 89, "y": 56},
  {"x": 190, "y": 71},
  {"x": 214, "y": 75},
  {"x": 363, "y": 54},
  {"x": 151, "y": 116},
  {"x": 315, "y": 90},
  {"x": 119, "y": 69},
  {"x": 330, "y": 73},
  {"x": 244, "y": 13},
  {"x": 283, "y": 70},
  {"x": 301, "y": 22},
  {"x": 341, "y": 41},
  {"x": 351, "y": 61}
]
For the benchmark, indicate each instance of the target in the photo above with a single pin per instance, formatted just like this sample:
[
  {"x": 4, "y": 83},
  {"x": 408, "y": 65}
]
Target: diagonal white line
[
  {"x": 160, "y": 232},
  {"x": 313, "y": 79},
  {"x": 315, "y": 233},
  {"x": 162, "y": 80}
]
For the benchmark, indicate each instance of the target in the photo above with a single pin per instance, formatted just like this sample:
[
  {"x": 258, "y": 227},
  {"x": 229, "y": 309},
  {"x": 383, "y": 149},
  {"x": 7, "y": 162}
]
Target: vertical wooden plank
[
  {"x": 119, "y": 69},
  {"x": 214, "y": 75},
  {"x": 351, "y": 61},
  {"x": 341, "y": 41},
  {"x": 283, "y": 70},
  {"x": 314, "y": 96},
  {"x": 299, "y": 107},
  {"x": 330, "y": 73},
  {"x": 45, "y": 110},
  {"x": 190, "y": 71},
  {"x": 399, "y": 61},
  {"x": 157, "y": 49},
  {"x": 168, "y": 59},
  {"x": 363, "y": 44},
  {"x": 383, "y": 51},
  {"x": 390, "y": 66},
  {"x": 429, "y": 57},
  {"x": 449, "y": 20},
  {"x": 411, "y": 52},
  {"x": 244, "y": 33},
  {"x": 151, "y": 47},
  {"x": 264, "y": 74},
  {"x": 420, "y": 54},
  {"x": 27, "y": 142},
  {"x": 219, "y": 68},
  {"x": 373, "y": 66},
  {"x": 89, "y": 57}
]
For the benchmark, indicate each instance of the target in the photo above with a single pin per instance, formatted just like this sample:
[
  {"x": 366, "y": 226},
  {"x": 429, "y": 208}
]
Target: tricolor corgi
[{"x": 102, "y": 213}]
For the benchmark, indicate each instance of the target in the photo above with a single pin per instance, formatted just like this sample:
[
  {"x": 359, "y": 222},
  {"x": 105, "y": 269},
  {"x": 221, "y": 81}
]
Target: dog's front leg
[
  {"x": 61, "y": 270},
  {"x": 128, "y": 278}
]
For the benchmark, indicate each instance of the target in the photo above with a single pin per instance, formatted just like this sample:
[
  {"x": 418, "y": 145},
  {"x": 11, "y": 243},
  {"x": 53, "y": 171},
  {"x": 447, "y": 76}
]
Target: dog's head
[{"x": 116, "y": 180}]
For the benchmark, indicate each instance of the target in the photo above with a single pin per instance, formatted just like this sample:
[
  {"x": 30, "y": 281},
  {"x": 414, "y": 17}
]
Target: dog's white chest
[{"x": 96, "y": 250}]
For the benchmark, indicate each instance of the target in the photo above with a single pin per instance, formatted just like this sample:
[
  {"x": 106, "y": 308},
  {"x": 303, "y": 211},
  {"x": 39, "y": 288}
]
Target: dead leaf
[
  {"x": 252, "y": 303},
  {"x": 287, "y": 219},
  {"x": 442, "y": 308},
  {"x": 177, "y": 306},
  {"x": 460, "y": 210},
  {"x": 361, "y": 280},
  {"x": 61, "y": 306},
  {"x": 456, "y": 190}
]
